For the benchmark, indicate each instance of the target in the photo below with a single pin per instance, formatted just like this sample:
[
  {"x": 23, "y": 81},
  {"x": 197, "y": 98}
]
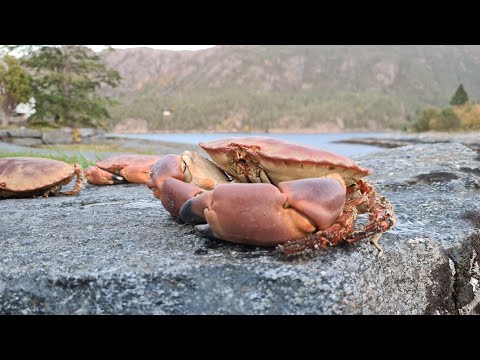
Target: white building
[{"x": 26, "y": 109}]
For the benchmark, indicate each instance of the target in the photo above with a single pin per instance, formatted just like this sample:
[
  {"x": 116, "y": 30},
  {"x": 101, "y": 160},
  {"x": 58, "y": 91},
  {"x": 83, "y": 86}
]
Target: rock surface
[
  {"x": 470, "y": 139},
  {"x": 32, "y": 137},
  {"x": 25, "y": 141},
  {"x": 114, "y": 250}
]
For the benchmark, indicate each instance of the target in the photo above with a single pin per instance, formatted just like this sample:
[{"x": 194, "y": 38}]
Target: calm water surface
[{"x": 323, "y": 141}]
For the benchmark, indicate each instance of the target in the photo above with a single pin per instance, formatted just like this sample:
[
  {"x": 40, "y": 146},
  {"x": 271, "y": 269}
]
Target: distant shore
[
  {"x": 398, "y": 139},
  {"x": 390, "y": 139},
  {"x": 113, "y": 146},
  {"x": 266, "y": 132}
]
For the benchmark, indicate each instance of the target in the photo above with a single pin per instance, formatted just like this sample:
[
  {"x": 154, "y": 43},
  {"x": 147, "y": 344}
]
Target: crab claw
[
  {"x": 175, "y": 179},
  {"x": 135, "y": 174},
  {"x": 122, "y": 169},
  {"x": 264, "y": 215},
  {"x": 174, "y": 193},
  {"x": 97, "y": 176}
]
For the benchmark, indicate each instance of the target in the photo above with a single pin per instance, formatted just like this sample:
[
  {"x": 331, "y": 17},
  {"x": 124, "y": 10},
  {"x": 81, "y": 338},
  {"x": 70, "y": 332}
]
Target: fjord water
[{"x": 323, "y": 141}]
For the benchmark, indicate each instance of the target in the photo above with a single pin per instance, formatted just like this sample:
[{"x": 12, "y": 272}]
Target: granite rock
[{"x": 115, "y": 250}]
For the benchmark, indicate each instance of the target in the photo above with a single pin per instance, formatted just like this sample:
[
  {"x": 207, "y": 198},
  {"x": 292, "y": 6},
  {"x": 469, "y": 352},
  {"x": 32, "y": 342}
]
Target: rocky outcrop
[
  {"x": 116, "y": 250},
  {"x": 470, "y": 139},
  {"x": 32, "y": 137}
]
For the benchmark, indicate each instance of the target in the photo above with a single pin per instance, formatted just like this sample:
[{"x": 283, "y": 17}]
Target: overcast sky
[{"x": 165, "y": 47}]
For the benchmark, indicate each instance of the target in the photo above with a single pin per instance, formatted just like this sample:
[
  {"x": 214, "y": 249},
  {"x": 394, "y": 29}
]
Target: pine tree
[
  {"x": 460, "y": 97},
  {"x": 65, "y": 82}
]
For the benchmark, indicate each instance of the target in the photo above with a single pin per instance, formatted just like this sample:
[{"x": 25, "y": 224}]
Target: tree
[
  {"x": 15, "y": 86},
  {"x": 65, "y": 81},
  {"x": 460, "y": 97}
]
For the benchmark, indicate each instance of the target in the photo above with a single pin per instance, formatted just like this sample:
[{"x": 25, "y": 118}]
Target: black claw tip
[
  {"x": 118, "y": 179},
  {"x": 188, "y": 216},
  {"x": 206, "y": 230}
]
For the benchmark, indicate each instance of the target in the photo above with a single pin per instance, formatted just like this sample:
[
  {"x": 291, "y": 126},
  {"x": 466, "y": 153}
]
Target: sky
[{"x": 164, "y": 47}]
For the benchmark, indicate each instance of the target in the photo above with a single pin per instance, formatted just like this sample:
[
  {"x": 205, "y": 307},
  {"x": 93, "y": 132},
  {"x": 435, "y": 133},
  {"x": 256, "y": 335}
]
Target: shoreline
[
  {"x": 119, "y": 146},
  {"x": 395, "y": 140},
  {"x": 387, "y": 140},
  {"x": 270, "y": 131}
]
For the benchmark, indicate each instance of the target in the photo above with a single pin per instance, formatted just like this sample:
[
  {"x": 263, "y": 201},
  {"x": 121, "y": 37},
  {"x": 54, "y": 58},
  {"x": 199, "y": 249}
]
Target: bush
[
  {"x": 447, "y": 120},
  {"x": 469, "y": 115},
  {"x": 425, "y": 119}
]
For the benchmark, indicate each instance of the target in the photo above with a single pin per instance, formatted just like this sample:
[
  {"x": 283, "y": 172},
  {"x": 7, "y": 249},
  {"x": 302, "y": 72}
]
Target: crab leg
[
  {"x": 332, "y": 235},
  {"x": 79, "y": 184},
  {"x": 381, "y": 217}
]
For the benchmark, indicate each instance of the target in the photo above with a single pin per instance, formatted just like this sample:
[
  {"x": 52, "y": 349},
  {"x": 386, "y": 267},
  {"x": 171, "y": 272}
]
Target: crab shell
[
  {"x": 22, "y": 177},
  {"x": 121, "y": 169},
  {"x": 262, "y": 159}
]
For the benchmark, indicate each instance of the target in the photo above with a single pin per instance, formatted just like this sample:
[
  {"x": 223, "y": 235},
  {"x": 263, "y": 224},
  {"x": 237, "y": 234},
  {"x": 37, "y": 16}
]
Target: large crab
[
  {"x": 297, "y": 197},
  {"x": 22, "y": 177},
  {"x": 121, "y": 169}
]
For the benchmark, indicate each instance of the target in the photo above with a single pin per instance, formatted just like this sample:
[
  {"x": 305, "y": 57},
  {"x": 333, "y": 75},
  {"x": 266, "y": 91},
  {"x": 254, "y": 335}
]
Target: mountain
[{"x": 289, "y": 87}]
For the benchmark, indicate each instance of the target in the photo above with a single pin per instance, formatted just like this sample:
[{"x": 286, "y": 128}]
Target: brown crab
[
  {"x": 22, "y": 177},
  {"x": 121, "y": 169},
  {"x": 298, "y": 197}
]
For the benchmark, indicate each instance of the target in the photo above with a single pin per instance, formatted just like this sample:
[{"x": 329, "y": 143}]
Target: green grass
[
  {"x": 42, "y": 125},
  {"x": 98, "y": 148},
  {"x": 80, "y": 159}
]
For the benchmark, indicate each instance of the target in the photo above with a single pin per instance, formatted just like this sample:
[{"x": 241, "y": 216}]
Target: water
[{"x": 323, "y": 141}]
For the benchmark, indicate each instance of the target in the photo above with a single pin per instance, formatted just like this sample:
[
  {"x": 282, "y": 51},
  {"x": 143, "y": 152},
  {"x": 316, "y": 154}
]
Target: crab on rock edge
[{"x": 276, "y": 193}]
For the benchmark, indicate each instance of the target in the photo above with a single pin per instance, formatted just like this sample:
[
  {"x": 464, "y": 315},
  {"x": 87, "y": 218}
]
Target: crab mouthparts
[{"x": 241, "y": 167}]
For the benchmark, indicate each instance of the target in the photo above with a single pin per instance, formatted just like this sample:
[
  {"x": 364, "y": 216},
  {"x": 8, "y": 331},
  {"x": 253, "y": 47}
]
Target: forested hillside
[{"x": 289, "y": 87}]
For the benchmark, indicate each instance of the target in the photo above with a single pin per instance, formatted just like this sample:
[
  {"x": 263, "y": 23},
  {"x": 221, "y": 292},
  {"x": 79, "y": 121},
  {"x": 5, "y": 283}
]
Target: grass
[
  {"x": 98, "y": 151},
  {"x": 98, "y": 148},
  {"x": 80, "y": 159}
]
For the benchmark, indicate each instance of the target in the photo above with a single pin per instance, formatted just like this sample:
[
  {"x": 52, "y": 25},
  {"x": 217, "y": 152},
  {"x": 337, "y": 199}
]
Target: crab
[
  {"x": 121, "y": 169},
  {"x": 276, "y": 193},
  {"x": 23, "y": 177}
]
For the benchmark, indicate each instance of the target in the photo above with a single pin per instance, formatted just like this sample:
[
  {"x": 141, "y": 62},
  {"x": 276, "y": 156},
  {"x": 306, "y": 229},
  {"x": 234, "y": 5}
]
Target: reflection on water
[{"x": 323, "y": 141}]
